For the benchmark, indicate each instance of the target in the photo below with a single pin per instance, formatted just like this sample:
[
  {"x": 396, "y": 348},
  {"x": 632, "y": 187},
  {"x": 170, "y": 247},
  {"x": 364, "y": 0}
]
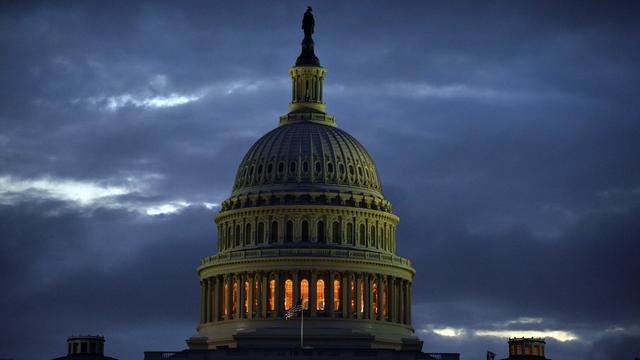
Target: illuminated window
[
  {"x": 246, "y": 296},
  {"x": 320, "y": 295},
  {"x": 304, "y": 293},
  {"x": 256, "y": 297},
  {"x": 518, "y": 349},
  {"x": 361, "y": 297},
  {"x": 375, "y": 298},
  {"x": 234, "y": 298},
  {"x": 272, "y": 295},
  {"x": 288, "y": 294},
  {"x": 336, "y": 295},
  {"x": 353, "y": 297},
  {"x": 385, "y": 301},
  {"x": 225, "y": 290}
]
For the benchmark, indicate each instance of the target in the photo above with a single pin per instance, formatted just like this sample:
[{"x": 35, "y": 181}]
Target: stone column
[
  {"x": 212, "y": 299},
  {"x": 216, "y": 299},
  {"x": 313, "y": 297},
  {"x": 403, "y": 304},
  {"x": 296, "y": 287},
  {"x": 330, "y": 294},
  {"x": 278, "y": 296},
  {"x": 240, "y": 297},
  {"x": 346, "y": 295},
  {"x": 380, "y": 298},
  {"x": 391, "y": 299},
  {"x": 202, "y": 304},
  {"x": 227, "y": 300},
  {"x": 251, "y": 295},
  {"x": 368, "y": 304},
  {"x": 359, "y": 285},
  {"x": 207, "y": 297},
  {"x": 264, "y": 288},
  {"x": 409, "y": 302}
]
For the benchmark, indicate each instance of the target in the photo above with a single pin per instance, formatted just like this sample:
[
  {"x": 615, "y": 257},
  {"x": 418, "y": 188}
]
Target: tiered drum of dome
[{"x": 306, "y": 224}]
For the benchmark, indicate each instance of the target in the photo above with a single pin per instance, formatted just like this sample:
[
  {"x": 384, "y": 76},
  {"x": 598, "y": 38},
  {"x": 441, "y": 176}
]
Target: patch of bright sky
[
  {"x": 150, "y": 99},
  {"x": 524, "y": 320},
  {"x": 450, "y": 332},
  {"x": 80, "y": 192},
  {"x": 559, "y": 335},
  {"x": 88, "y": 194}
]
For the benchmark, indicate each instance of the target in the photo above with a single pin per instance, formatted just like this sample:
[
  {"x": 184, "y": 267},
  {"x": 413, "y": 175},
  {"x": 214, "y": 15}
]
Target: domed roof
[{"x": 307, "y": 157}]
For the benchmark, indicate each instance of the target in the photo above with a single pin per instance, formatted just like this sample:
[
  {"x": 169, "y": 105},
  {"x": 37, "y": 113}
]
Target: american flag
[{"x": 293, "y": 310}]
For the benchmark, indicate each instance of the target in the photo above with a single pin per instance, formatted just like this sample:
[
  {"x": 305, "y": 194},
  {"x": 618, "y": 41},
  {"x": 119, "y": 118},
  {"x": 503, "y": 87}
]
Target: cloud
[
  {"x": 559, "y": 335},
  {"x": 449, "y": 332},
  {"x": 116, "y": 102},
  {"x": 149, "y": 99},
  {"x": 175, "y": 207},
  {"x": 82, "y": 193},
  {"x": 524, "y": 320},
  {"x": 133, "y": 194}
]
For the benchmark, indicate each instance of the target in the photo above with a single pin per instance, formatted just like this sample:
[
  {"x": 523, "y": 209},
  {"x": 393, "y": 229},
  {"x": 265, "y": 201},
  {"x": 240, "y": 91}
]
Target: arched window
[
  {"x": 256, "y": 295},
  {"x": 320, "y": 295},
  {"x": 234, "y": 298},
  {"x": 335, "y": 236},
  {"x": 228, "y": 237},
  {"x": 288, "y": 294},
  {"x": 375, "y": 298},
  {"x": 353, "y": 297},
  {"x": 336, "y": 295},
  {"x": 247, "y": 291},
  {"x": 362, "y": 235},
  {"x": 237, "y": 235},
  {"x": 247, "y": 234},
  {"x": 373, "y": 236},
  {"x": 273, "y": 236},
  {"x": 305, "y": 230},
  {"x": 272, "y": 295},
  {"x": 288, "y": 235},
  {"x": 350, "y": 238},
  {"x": 260, "y": 233},
  {"x": 361, "y": 296},
  {"x": 225, "y": 291},
  {"x": 304, "y": 293},
  {"x": 385, "y": 301},
  {"x": 320, "y": 232}
]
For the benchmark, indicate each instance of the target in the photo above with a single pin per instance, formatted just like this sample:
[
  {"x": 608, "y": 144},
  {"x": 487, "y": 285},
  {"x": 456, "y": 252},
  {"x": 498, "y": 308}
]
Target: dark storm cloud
[{"x": 505, "y": 135}]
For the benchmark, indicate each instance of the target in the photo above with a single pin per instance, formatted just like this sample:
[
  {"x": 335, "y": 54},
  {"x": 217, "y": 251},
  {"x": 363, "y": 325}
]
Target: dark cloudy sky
[{"x": 506, "y": 134}]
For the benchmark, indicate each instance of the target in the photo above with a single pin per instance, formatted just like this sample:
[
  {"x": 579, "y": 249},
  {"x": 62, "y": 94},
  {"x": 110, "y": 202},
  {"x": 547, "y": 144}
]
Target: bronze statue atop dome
[
  {"x": 307, "y": 56},
  {"x": 308, "y": 23}
]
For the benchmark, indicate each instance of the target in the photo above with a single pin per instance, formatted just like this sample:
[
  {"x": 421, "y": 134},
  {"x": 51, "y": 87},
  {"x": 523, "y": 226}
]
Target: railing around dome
[{"x": 330, "y": 253}]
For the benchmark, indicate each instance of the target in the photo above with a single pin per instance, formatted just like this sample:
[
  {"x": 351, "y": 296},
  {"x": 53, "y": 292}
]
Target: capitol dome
[
  {"x": 306, "y": 232},
  {"x": 307, "y": 156}
]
